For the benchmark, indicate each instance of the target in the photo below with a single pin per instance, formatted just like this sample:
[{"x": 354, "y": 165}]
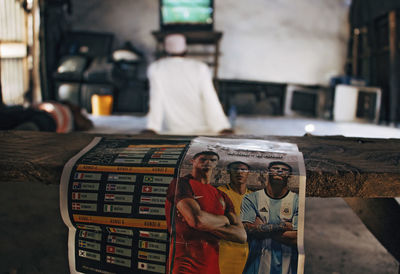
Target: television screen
[
  {"x": 304, "y": 101},
  {"x": 357, "y": 104},
  {"x": 366, "y": 105},
  {"x": 186, "y": 14}
]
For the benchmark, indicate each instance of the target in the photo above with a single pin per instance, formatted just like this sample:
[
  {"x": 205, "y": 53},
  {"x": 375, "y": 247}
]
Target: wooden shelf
[
  {"x": 207, "y": 38},
  {"x": 192, "y": 37}
]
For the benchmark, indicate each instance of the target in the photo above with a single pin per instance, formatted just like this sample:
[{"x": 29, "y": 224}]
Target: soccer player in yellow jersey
[{"x": 233, "y": 256}]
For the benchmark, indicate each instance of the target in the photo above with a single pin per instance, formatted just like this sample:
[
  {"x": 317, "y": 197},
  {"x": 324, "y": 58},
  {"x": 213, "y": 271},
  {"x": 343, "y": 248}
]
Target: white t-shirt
[{"x": 183, "y": 99}]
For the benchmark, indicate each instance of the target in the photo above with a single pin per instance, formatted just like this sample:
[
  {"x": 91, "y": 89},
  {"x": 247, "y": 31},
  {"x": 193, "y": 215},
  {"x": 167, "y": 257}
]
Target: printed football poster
[
  {"x": 237, "y": 207},
  {"x": 207, "y": 205}
]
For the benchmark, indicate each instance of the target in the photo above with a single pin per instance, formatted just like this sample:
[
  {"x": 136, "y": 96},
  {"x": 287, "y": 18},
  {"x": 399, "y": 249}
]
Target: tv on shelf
[{"x": 186, "y": 15}]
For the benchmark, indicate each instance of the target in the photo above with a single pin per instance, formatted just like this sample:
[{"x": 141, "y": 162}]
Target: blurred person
[
  {"x": 198, "y": 216},
  {"x": 182, "y": 96},
  {"x": 270, "y": 219},
  {"x": 233, "y": 256},
  {"x": 60, "y": 117}
]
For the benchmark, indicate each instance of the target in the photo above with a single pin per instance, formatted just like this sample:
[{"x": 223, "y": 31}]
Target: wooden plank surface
[{"x": 336, "y": 166}]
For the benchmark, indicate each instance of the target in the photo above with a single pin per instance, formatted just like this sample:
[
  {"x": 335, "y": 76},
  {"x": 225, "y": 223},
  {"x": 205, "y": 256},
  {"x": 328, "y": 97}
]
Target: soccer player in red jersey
[{"x": 198, "y": 216}]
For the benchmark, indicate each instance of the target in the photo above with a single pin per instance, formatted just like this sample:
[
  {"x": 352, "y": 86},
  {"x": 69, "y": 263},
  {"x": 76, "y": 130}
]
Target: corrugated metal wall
[{"x": 14, "y": 71}]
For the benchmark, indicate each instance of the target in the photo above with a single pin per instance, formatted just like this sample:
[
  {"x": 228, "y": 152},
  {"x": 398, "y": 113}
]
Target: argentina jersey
[{"x": 267, "y": 255}]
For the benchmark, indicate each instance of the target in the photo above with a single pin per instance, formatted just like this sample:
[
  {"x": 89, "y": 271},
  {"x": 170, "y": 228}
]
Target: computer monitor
[
  {"x": 303, "y": 101},
  {"x": 357, "y": 104}
]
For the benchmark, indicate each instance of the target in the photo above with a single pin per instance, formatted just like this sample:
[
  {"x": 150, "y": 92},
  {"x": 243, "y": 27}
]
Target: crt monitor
[
  {"x": 185, "y": 15},
  {"x": 304, "y": 101},
  {"x": 357, "y": 104}
]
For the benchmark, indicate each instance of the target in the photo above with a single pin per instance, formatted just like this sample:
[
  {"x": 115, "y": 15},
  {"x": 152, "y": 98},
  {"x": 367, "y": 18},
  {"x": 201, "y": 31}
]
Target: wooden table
[{"x": 366, "y": 172}]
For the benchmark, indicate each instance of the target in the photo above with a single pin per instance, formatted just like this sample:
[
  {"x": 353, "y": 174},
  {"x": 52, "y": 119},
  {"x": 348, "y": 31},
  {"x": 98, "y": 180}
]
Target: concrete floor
[
  {"x": 258, "y": 125},
  {"x": 336, "y": 241}
]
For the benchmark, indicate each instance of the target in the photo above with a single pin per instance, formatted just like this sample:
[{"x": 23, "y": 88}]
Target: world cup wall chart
[{"x": 113, "y": 198}]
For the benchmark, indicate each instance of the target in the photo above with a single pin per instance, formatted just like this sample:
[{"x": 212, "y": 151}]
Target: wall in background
[{"x": 302, "y": 41}]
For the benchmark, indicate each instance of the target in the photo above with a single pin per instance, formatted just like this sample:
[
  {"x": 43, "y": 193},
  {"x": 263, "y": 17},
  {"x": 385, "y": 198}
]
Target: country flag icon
[
  {"x": 112, "y": 229},
  {"x": 147, "y": 189},
  {"x": 109, "y": 197},
  {"x": 142, "y": 266},
  {"x": 84, "y": 233},
  {"x": 76, "y": 185},
  {"x": 76, "y": 206},
  {"x": 110, "y": 259},
  {"x": 112, "y": 239},
  {"x": 79, "y": 175},
  {"x": 144, "y": 209},
  {"x": 113, "y": 177},
  {"x": 110, "y": 249},
  {"x": 148, "y": 179},
  {"x": 144, "y": 244},
  {"x": 110, "y": 187},
  {"x": 145, "y": 199},
  {"x": 144, "y": 234},
  {"x": 108, "y": 208},
  {"x": 142, "y": 255}
]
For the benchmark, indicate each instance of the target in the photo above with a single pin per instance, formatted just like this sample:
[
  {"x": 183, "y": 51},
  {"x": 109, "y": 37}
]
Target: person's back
[{"x": 183, "y": 99}]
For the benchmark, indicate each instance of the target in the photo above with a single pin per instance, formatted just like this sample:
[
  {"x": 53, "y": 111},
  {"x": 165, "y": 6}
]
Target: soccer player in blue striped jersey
[{"x": 270, "y": 219}]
